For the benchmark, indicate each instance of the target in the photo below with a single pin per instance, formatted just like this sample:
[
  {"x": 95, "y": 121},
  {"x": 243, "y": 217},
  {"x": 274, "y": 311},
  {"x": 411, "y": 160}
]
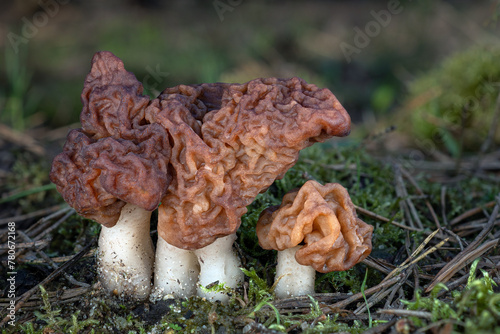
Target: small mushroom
[
  {"x": 229, "y": 143},
  {"x": 115, "y": 171},
  {"x": 314, "y": 226}
]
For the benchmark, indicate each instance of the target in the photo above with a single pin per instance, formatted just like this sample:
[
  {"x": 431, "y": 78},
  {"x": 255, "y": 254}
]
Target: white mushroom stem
[
  {"x": 219, "y": 263},
  {"x": 126, "y": 254},
  {"x": 294, "y": 278},
  {"x": 176, "y": 271}
]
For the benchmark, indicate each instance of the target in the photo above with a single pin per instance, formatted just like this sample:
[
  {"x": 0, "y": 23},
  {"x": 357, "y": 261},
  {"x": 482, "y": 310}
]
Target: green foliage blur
[
  {"x": 187, "y": 42},
  {"x": 455, "y": 104}
]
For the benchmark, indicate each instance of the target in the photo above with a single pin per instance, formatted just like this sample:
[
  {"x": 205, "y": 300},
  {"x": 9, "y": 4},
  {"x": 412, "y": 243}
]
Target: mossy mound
[{"x": 454, "y": 104}]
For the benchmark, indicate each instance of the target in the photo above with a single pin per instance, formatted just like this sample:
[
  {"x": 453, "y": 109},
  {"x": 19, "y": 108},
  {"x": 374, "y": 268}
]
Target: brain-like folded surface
[
  {"x": 323, "y": 220},
  {"x": 116, "y": 158},
  {"x": 229, "y": 143},
  {"x": 113, "y": 104}
]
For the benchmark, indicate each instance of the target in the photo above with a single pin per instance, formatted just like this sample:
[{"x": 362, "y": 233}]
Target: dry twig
[
  {"x": 384, "y": 219},
  {"x": 419, "y": 190},
  {"x": 472, "y": 212},
  {"x": 66, "y": 296},
  {"x": 406, "y": 313},
  {"x": 469, "y": 254},
  {"x": 32, "y": 244},
  {"x": 460, "y": 261},
  {"x": 21, "y": 139},
  {"x": 30, "y": 215},
  {"x": 69, "y": 277},
  {"x": 342, "y": 304},
  {"x": 413, "y": 258},
  {"x": 406, "y": 203}
]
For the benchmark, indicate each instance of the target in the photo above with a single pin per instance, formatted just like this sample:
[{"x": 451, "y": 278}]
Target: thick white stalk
[
  {"x": 294, "y": 278},
  {"x": 219, "y": 263},
  {"x": 176, "y": 271},
  {"x": 126, "y": 254}
]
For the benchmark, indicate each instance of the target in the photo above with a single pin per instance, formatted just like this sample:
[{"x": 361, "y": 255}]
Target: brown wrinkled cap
[
  {"x": 116, "y": 158},
  {"x": 229, "y": 143},
  {"x": 113, "y": 104},
  {"x": 324, "y": 220}
]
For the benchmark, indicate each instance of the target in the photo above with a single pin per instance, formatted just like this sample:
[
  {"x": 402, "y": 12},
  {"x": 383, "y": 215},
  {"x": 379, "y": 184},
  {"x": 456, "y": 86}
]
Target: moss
[
  {"x": 371, "y": 185},
  {"x": 476, "y": 309},
  {"x": 452, "y": 105},
  {"x": 29, "y": 172}
]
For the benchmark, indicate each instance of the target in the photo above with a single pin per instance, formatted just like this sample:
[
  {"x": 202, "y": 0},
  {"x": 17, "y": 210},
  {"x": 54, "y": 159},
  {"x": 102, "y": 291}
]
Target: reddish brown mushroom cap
[
  {"x": 98, "y": 178},
  {"x": 113, "y": 104},
  {"x": 322, "y": 218},
  {"x": 229, "y": 143},
  {"x": 116, "y": 158}
]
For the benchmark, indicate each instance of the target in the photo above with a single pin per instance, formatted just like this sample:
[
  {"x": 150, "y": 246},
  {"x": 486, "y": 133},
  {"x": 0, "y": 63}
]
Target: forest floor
[{"x": 434, "y": 267}]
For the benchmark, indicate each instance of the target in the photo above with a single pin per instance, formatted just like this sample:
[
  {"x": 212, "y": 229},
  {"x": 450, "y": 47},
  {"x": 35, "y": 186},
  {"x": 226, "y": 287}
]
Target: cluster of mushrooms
[{"x": 200, "y": 154}]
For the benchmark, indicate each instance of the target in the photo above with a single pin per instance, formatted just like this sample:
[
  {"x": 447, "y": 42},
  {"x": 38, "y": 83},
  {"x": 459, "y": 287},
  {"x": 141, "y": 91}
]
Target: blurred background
[{"x": 371, "y": 54}]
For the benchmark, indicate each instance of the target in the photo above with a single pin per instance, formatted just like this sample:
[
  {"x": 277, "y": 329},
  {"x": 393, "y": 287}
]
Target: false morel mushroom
[
  {"x": 314, "y": 226},
  {"x": 115, "y": 171},
  {"x": 229, "y": 143}
]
